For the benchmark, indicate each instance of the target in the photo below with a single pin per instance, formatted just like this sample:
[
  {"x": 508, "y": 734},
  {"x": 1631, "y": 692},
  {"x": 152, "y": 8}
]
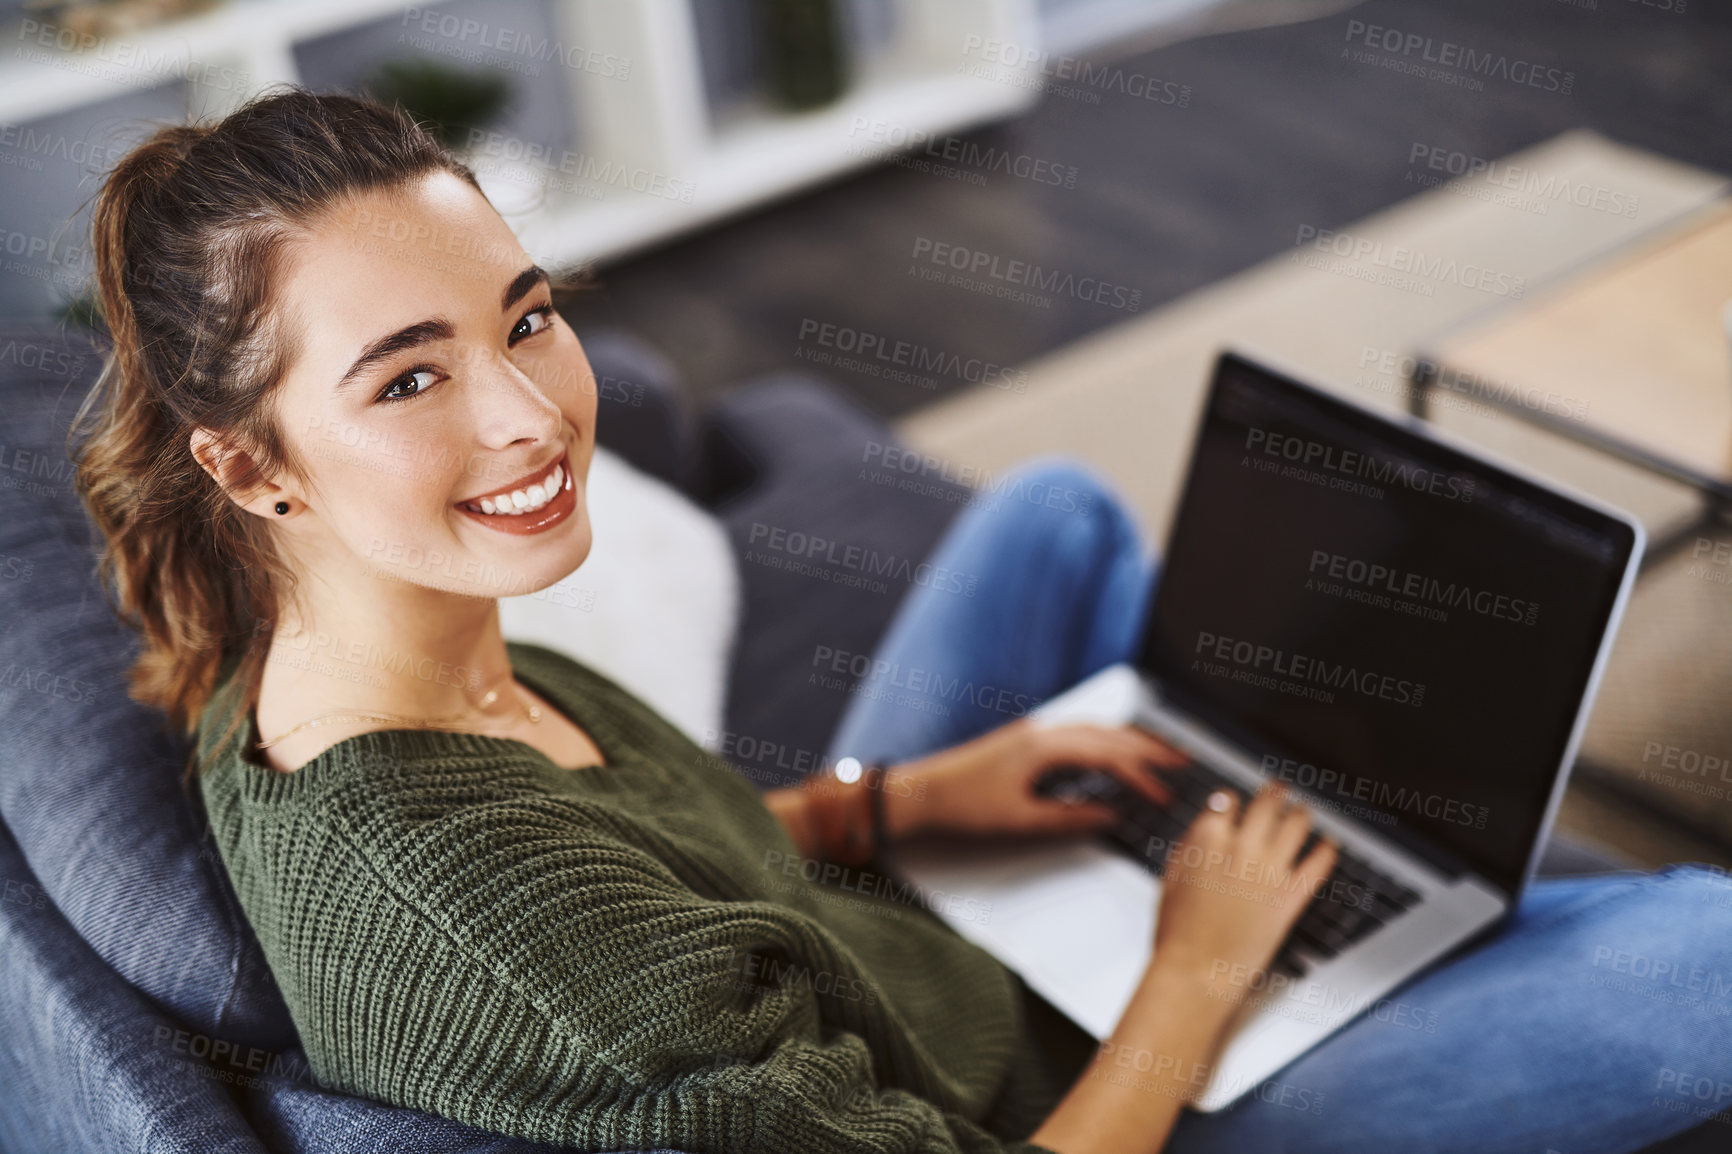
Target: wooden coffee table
[{"x": 1628, "y": 354}]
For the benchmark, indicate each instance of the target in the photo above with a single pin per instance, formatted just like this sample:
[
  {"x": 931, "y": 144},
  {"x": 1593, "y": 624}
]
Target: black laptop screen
[{"x": 1399, "y": 627}]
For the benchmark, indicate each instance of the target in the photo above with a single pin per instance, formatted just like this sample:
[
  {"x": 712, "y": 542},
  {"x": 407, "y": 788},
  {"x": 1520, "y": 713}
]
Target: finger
[
  {"x": 1130, "y": 740},
  {"x": 1318, "y": 864},
  {"x": 1261, "y": 814},
  {"x": 1137, "y": 773},
  {"x": 1291, "y": 830},
  {"x": 1111, "y": 751},
  {"x": 1146, "y": 751},
  {"x": 1302, "y": 881},
  {"x": 1214, "y": 824},
  {"x": 1079, "y": 817}
]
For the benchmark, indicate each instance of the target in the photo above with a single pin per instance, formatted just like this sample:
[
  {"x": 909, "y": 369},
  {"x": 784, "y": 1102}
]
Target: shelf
[
  {"x": 757, "y": 162},
  {"x": 224, "y": 56},
  {"x": 651, "y": 124},
  {"x": 1075, "y": 27}
]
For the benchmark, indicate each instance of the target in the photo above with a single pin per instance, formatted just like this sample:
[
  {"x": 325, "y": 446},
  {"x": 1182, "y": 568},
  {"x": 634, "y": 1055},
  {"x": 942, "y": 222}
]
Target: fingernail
[{"x": 1220, "y": 801}]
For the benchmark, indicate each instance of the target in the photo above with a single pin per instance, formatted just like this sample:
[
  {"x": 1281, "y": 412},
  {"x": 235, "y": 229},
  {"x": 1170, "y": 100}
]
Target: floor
[{"x": 1280, "y": 130}]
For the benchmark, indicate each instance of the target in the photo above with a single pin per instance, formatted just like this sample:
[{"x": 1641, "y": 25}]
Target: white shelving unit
[{"x": 652, "y": 124}]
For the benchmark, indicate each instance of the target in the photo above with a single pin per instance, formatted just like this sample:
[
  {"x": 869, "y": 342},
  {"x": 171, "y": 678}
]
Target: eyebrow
[
  {"x": 435, "y": 329},
  {"x": 521, "y": 284}
]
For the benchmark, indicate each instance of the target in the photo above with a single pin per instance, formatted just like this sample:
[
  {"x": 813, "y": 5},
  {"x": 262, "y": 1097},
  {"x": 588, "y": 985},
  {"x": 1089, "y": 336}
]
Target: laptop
[{"x": 1405, "y": 631}]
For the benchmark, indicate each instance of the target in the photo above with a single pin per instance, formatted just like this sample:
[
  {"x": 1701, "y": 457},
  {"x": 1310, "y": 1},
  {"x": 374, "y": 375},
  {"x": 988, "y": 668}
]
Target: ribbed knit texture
[{"x": 461, "y": 926}]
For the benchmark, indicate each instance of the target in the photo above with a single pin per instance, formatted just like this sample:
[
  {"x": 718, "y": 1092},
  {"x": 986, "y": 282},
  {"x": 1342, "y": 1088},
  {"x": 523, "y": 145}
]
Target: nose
[{"x": 511, "y": 409}]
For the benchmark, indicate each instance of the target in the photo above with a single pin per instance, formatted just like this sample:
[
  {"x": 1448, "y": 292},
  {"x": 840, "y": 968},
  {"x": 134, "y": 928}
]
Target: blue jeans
[{"x": 1597, "y": 1020}]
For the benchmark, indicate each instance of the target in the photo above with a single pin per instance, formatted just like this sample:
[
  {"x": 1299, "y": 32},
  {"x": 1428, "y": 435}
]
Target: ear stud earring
[{"x": 282, "y": 508}]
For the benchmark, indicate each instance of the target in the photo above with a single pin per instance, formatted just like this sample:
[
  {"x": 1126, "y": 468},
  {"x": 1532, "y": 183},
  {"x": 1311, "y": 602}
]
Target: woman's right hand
[
  {"x": 1230, "y": 893},
  {"x": 1232, "y": 889}
]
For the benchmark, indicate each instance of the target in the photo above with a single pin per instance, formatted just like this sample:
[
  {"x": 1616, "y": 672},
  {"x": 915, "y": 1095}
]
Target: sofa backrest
[{"x": 91, "y": 785}]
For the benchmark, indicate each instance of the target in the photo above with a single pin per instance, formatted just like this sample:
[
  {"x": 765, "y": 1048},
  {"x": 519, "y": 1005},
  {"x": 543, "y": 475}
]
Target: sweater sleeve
[{"x": 544, "y": 934}]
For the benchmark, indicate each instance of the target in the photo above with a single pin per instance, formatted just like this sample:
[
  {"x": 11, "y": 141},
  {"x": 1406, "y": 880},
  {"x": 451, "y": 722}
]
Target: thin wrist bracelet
[
  {"x": 831, "y": 821},
  {"x": 848, "y": 808},
  {"x": 873, "y": 779}
]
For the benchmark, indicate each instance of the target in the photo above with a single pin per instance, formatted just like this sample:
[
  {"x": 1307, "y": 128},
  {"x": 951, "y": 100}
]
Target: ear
[{"x": 229, "y": 465}]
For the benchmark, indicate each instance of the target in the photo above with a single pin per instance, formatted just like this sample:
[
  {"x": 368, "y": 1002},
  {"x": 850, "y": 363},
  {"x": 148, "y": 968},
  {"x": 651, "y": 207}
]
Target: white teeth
[{"x": 525, "y": 500}]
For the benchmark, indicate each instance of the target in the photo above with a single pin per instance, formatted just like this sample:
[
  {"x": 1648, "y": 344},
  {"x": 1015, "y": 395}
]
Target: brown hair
[{"x": 190, "y": 229}]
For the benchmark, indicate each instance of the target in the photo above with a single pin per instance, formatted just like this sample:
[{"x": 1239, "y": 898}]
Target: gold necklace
[{"x": 531, "y": 711}]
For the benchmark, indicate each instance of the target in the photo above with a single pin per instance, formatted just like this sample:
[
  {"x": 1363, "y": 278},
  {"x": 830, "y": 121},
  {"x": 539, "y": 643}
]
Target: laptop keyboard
[{"x": 1354, "y": 902}]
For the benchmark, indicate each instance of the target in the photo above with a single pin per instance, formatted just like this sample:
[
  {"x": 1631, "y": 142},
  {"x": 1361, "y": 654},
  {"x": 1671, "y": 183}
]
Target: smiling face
[{"x": 443, "y": 412}]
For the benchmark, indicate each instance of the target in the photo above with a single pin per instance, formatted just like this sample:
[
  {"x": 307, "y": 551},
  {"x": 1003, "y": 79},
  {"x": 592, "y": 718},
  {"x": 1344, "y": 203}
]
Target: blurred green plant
[
  {"x": 805, "y": 60},
  {"x": 451, "y": 100}
]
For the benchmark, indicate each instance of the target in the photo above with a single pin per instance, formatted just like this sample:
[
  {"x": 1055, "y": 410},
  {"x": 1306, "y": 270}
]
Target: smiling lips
[
  {"x": 524, "y": 498},
  {"x": 530, "y": 505}
]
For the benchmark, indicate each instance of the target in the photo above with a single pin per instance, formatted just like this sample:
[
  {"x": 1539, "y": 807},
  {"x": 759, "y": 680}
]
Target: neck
[{"x": 380, "y": 644}]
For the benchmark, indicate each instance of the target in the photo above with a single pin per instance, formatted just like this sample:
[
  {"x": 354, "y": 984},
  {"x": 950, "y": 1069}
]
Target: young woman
[{"x": 493, "y": 885}]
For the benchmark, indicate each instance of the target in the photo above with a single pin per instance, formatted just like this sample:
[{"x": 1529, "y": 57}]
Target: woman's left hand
[{"x": 986, "y": 786}]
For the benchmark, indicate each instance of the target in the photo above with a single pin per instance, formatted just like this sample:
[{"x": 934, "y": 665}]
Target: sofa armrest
[
  {"x": 90, "y": 1063},
  {"x": 789, "y": 458}
]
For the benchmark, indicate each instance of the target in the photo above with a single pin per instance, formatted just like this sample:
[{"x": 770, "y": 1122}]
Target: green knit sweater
[{"x": 615, "y": 957}]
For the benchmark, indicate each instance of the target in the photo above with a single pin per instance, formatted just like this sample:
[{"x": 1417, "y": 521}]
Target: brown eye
[
  {"x": 535, "y": 322},
  {"x": 412, "y": 380}
]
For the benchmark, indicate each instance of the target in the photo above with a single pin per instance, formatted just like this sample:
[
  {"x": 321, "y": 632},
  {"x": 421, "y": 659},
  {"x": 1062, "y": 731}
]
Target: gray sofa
[{"x": 136, "y": 1011}]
